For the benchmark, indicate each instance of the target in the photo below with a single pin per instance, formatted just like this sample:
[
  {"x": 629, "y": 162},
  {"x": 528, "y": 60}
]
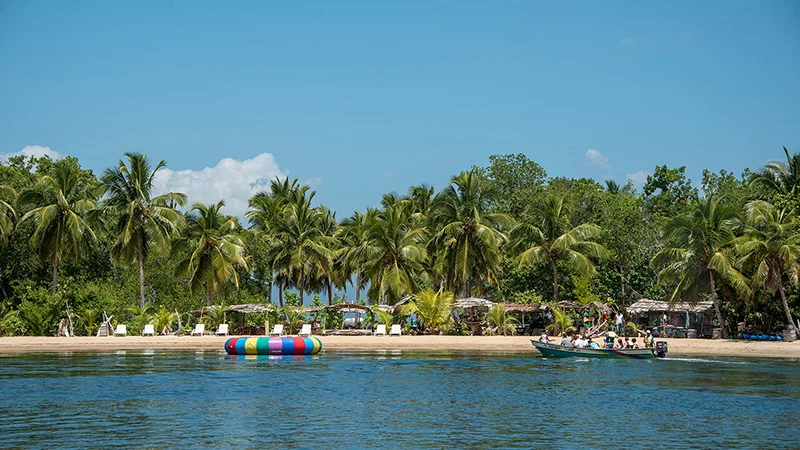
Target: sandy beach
[{"x": 490, "y": 344}]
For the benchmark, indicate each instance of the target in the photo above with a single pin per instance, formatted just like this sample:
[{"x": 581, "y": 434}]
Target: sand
[{"x": 489, "y": 344}]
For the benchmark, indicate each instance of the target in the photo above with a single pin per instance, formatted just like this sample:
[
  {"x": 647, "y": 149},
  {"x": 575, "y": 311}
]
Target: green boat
[{"x": 560, "y": 351}]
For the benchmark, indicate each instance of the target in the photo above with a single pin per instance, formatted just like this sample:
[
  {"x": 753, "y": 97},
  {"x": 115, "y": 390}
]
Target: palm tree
[
  {"x": 498, "y": 318},
  {"x": 7, "y": 213},
  {"x": 354, "y": 234},
  {"x": 214, "y": 249},
  {"x": 779, "y": 178},
  {"x": 562, "y": 321},
  {"x": 696, "y": 253},
  {"x": 553, "y": 239},
  {"x": 397, "y": 255},
  {"x": 300, "y": 244},
  {"x": 143, "y": 220},
  {"x": 469, "y": 238},
  {"x": 60, "y": 204},
  {"x": 771, "y": 244},
  {"x": 432, "y": 309}
]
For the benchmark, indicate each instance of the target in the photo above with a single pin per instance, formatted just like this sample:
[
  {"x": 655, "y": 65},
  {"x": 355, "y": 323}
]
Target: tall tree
[
  {"x": 214, "y": 249},
  {"x": 469, "y": 236},
  {"x": 354, "y": 234},
  {"x": 697, "y": 253},
  {"x": 516, "y": 179},
  {"x": 552, "y": 238},
  {"x": 779, "y": 181},
  {"x": 399, "y": 252},
  {"x": 771, "y": 245},
  {"x": 60, "y": 203},
  {"x": 143, "y": 220}
]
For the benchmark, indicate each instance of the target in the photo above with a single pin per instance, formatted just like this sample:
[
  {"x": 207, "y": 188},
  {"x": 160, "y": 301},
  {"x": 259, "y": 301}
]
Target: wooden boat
[{"x": 560, "y": 351}]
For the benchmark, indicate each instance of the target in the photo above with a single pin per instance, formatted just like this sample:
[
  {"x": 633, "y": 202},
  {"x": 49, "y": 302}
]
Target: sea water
[{"x": 393, "y": 399}]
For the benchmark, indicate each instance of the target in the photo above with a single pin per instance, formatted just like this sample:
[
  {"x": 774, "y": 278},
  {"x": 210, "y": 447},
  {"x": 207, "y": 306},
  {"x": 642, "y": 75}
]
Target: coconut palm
[
  {"x": 780, "y": 178},
  {"x": 552, "y": 239},
  {"x": 60, "y": 204},
  {"x": 301, "y": 247},
  {"x": 697, "y": 253},
  {"x": 354, "y": 234},
  {"x": 214, "y": 250},
  {"x": 395, "y": 262},
  {"x": 7, "y": 213},
  {"x": 143, "y": 220},
  {"x": 772, "y": 246},
  {"x": 498, "y": 318},
  {"x": 469, "y": 238},
  {"x": 432, "y": 309}
]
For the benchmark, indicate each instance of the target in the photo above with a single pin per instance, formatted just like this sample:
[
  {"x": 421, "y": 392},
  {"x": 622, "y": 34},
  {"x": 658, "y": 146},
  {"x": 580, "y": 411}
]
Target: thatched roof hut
[
  {"x": 250, "y": 308},
  {"x": 524, "y": 308},
  {"x": 349, "y": 308},
  {"x": 646, "y": 306},
  {"x": 472, "y": 302}
]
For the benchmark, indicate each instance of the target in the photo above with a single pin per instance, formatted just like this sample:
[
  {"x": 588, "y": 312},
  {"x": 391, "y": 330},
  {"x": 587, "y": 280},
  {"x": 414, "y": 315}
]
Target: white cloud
[
  {"x": 596, "y": 159},
  {"x": 231, "y": 180},
  {"x": 638, "y": 178},
  {"x": 389, "y": 174},
  {"x": 33, "y": 150},
  {"x": 628, "y": 41}
]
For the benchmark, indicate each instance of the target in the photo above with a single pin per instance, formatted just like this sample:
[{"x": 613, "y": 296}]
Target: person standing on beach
[{"x": 619, "y": 322}]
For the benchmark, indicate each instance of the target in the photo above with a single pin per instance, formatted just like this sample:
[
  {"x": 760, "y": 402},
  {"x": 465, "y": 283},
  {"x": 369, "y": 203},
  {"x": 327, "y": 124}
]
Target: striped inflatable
[{"x": 273, "y": 346}]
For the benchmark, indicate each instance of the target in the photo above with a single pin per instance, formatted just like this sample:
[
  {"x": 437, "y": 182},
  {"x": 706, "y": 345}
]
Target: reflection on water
[{"x": 392, "y": 399}]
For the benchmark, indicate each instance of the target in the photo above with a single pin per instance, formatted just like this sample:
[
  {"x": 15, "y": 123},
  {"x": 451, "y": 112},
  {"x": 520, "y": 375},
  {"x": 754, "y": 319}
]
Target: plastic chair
[
  {"x": 395, "y": 331},
  {"x": 222, "y": 330},
  {"x": 277, "y": 331},
  {"x": 121, "y": 330},
  {"x": 149, "y": 329},
  {"x": 380, "y": 330}
]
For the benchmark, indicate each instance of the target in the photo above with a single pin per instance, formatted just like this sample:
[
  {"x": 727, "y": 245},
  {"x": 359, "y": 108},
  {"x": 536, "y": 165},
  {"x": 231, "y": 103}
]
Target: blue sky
[{"x": 362, "y": 98}]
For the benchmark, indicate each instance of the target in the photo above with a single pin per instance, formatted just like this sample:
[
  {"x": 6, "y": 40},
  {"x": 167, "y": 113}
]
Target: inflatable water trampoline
[{"x": 273, "y": 346}]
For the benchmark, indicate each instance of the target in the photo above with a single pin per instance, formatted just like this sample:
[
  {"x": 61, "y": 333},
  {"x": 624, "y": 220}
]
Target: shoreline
[{"x": 431, "y": 344}]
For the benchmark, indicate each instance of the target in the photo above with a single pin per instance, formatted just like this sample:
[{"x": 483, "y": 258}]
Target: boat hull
[{"x": 560, "y": 351}]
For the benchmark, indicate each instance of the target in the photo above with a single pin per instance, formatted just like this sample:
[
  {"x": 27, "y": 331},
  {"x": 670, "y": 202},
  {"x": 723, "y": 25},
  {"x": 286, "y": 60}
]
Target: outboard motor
[{"x": 661, "y": 349}]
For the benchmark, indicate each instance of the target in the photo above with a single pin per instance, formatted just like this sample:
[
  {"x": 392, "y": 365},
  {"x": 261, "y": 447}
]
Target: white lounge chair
[
  {"x": 277, "y": 331},
  {"x": 380, "y": 330},
  {"x": 149, "y": 329},
  {"x": 222, "y": 330},
  {"x": 199, "y": 329},
  {"x": 305, "y": 330},
  {"x": 121, "y": 330},
  {"x": 395, "y": 331}
]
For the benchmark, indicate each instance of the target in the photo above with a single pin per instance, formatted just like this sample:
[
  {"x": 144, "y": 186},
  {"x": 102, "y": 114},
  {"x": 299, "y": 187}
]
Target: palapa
[
  {"x": 646, "y": 305},
  {"x": 472, "y": 302},
  {"x": 524, "y": 308}
]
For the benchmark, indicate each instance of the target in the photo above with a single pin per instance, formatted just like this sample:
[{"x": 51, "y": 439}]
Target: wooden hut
[{"x": 682, "y": 319}]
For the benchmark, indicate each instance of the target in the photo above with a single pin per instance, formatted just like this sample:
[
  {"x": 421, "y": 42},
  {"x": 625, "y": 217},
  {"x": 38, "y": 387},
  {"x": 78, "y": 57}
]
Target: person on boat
[
  {"x": 611, "y": 336},
  {"x": 544, "y": 338},
  {"x": 580, "y": 342},
  {"x": 627, "y": 342},
  {"x": 648, "y": 340},
  {"x": 634, "y": 344},
  {"x": 565, "y": 340},
  {"x": 620, "y": 344},
  {"x": 593, "y": 344}
]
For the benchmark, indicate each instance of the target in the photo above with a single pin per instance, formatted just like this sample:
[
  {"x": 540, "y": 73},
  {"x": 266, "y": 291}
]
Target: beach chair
[
  {"x": 395, "y": 331},
  {"x": 199, "y": 329},
  {"x": 222, "y": 330},
  {"x": 380, "y": 330},
  {"x": 305, "y": 330},
  {"x": 149, "y": 329},
  {"x": 121, "y": 330},
  {"x": 277, "y": 331}
]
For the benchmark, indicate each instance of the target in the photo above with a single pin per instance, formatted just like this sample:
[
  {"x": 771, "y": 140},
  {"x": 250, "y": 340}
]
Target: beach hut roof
[
  {"x": 349, "y": 308},
  {"x": 602, "y": 308},
  {"x": 250, "y": 308},
  {"x": 524, "y": 308},
  {"x": 646, "y": 305},
  {"x": 472, "y": 302}
]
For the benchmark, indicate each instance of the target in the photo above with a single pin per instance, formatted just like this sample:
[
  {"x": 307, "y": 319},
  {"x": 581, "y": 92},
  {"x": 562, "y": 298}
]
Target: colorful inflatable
[{"x": 273, "y": 346}]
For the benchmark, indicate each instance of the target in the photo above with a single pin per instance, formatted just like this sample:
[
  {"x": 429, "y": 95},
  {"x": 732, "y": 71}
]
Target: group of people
[{"x": 612, "y": 341}]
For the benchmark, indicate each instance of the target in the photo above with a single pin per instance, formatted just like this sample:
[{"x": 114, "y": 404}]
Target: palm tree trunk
[
  {"x": 358, "y": 284},
  {"x": 330, "y": 292},
  {"x": 140, "y": 260},
  {"x": 715, "y": 300},
  {"x": 555, "y": 280},
  {"x": 208, "y": 294},
  {"x": 53, "y": 285},
  {"x": 786, "y": 305},
  {"x": 280, "y": 293}
]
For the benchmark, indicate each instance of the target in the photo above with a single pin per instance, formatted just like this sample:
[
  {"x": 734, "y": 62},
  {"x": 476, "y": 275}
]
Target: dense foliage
[{"x": 70, "y": 241}]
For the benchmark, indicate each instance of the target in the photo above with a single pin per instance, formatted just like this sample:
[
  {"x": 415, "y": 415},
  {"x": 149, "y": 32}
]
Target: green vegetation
[{"x": 506, "y": 231}]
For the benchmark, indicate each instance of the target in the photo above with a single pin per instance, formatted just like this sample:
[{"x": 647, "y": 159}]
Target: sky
[{"x": 358, "y": 99}]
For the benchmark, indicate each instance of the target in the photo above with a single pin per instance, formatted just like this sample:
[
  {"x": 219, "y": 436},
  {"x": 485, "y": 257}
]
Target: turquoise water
[{"x": 392, "y": 399}]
